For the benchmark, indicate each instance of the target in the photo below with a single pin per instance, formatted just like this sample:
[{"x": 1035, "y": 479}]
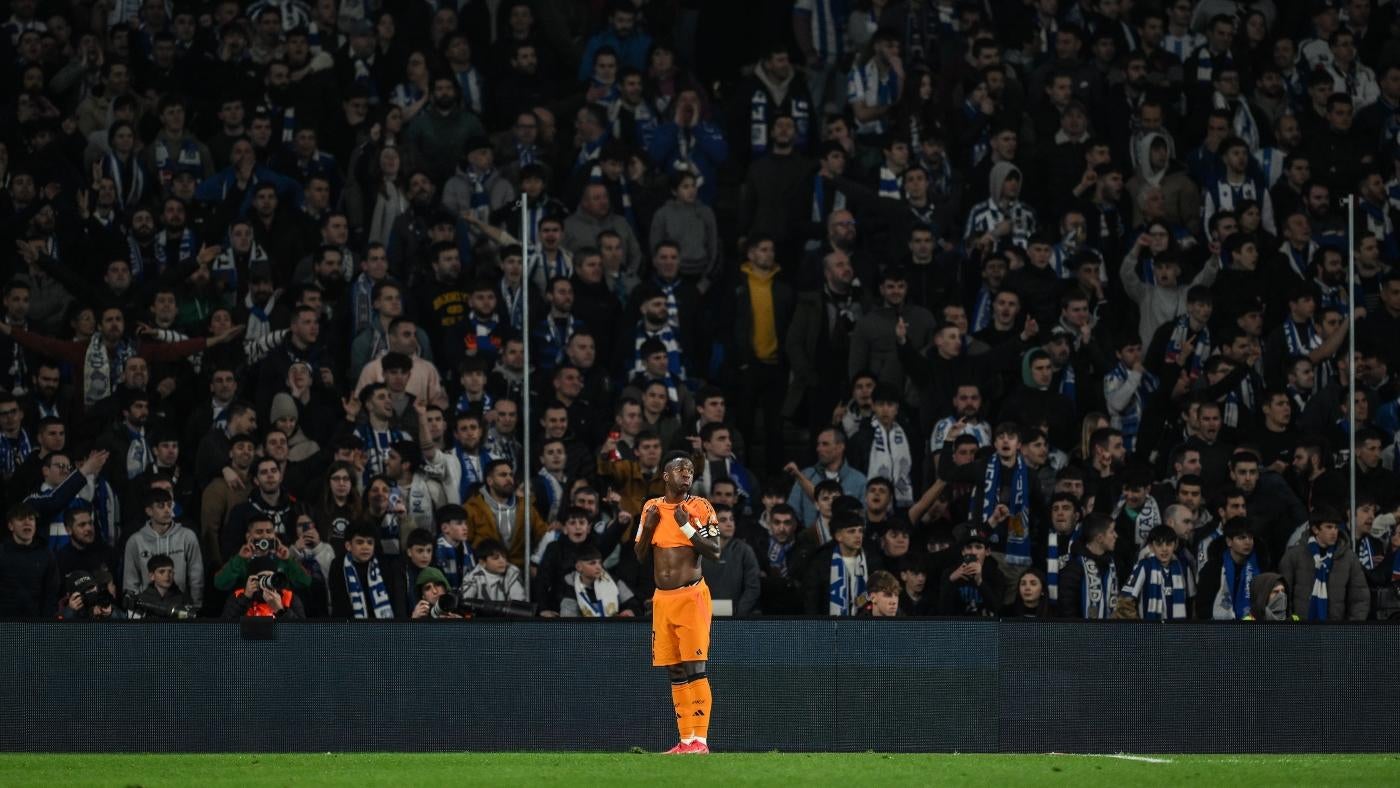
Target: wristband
[{"x": 688, "y": 530}]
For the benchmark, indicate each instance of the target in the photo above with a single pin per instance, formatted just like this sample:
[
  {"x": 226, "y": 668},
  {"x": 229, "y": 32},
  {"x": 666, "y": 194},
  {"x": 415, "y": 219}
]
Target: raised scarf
[
  {"x": 1018, "y": 527},
  {"x": 890, "y": 458},
  {"x": 377, "y": 605},
  {"x": 99, "y": 373},
  {"x": 1159, "y": 590},
  {"x": 846, "y": 593}
]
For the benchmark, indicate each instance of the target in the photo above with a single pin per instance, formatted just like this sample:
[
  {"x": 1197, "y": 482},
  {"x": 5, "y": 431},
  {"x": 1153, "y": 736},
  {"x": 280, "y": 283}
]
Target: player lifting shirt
[{"x": 681, "y": 528}]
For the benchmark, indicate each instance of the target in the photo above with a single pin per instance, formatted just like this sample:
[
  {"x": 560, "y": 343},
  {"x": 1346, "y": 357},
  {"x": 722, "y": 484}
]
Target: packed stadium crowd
[{"x": 1002, "y": 307}]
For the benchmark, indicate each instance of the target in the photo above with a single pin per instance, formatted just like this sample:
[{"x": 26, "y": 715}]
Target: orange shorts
[{"x": 680, "y": 625}]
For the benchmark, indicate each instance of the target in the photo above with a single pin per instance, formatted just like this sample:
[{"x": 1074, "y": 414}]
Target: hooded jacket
[
  {"x": 1259, "y": 589},
  {"x": 178, "y": 542},
  {"x": 1031, "y": 404},
  {"x": 1181, "y": 194},
  {"x": 1348, "y": 595}
]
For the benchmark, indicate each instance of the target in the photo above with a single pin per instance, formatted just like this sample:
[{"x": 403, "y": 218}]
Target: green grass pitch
[{"x": 576, "y": 769}]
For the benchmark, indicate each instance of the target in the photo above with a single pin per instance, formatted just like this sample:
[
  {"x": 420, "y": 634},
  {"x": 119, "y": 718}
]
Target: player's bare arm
[
  {"x": 642, "y": 547},
  {"x": 704, "y": 536}
]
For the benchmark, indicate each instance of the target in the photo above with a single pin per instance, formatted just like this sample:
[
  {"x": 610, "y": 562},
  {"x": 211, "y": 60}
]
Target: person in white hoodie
[{"x": 163, "y": 536}]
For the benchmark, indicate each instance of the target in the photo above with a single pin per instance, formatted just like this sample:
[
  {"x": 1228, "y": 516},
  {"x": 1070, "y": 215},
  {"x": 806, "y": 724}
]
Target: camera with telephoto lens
[
  {"x": 132, "y": 602},
  {"x": 275, "y": 582},
  {"x": 82, "y": 582},
  {"x": 445, "y": 604},
  {"x": 263, "y": 546},
  {"x": 488, "y": 607}
]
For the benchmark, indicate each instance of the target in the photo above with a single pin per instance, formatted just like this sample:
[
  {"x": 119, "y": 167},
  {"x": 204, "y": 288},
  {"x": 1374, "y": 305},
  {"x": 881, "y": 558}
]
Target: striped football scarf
[
  {"x": 846, "y": 594},
  {"x": 1160, "y": 590},
  {"x": 1018, "y": 528},
  {"x": 377, "y": 605},
  {"x": 1322, "y": 570}
]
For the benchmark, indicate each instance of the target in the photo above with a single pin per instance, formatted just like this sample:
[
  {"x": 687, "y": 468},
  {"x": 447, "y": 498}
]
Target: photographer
[
  {"x": 260, "y": 540},
  {"x": 433, "y": 599},
  {"x": 89, "y": 598},
  {"x": 265, "y": 594}
]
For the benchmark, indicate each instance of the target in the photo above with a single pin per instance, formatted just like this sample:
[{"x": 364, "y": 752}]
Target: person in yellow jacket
[{"x": 498, "y": 512}]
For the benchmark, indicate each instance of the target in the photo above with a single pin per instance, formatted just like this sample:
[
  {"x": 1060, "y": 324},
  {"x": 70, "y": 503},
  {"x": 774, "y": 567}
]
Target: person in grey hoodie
[
  {"x": 1003, "y": 218},
  {"x": 1153, "y": 155},
  {"x": 163, "y": 536},
  {"x": 1165, "y": 299},
  {"x": 690, "y": 225},
  {"x": 735, "y": 575}
]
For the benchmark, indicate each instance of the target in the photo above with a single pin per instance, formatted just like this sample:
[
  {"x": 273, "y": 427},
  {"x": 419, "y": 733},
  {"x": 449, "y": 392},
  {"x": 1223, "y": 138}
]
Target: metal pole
[
  {"x": 1351, "y": 353},
  {"x": 525, "y": 412}
]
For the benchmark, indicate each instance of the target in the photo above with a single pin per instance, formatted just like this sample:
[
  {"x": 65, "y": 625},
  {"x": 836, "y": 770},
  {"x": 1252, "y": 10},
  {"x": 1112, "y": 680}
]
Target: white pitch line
[{"x": 1118, "y": 756}]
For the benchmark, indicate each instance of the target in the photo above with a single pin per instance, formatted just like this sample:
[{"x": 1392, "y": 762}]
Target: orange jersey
[{"x": 668, "y": 533}]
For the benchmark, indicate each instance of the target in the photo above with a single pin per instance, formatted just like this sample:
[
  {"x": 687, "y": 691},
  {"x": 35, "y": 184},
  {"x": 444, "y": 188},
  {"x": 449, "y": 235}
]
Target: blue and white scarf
[
  {"x": 465, "y": 404},
  {"x": 1322, "y": 570},
  {"x": 1144, "y": 520},
  {"x": 553, "y": 494},
  {"x": 480, "y": 196},
  {"x": 588, "y": 153},
  {"x": 514, "y": 301},
  {"x": 129, "y": 190},
  {"x": 1098, "y": 593},
  {"x": 186, "y": 249},
  {"x": 13, "y": 452},
  {"x": 377, "y": 606},
  {"x": 891, "y": 185},
  {"x": 471, "y": 83},
  {"x": 846, "y": 593},
  {"x": 674, "y": 363},
  {"x": 890, "y": 457},
  {"x": 138, "y": 453},
  {"x": 981, "y": 310},
  {"x": 445, "y": 558},
  {"x": 1129, "y": 420},
  {"x": 1054, "y": 562},
  {"x": 1300, "y": 342},
  {"x": 1160, "y": 590},
  {"x": 376, "y": 444},
  {"x": 1069, "y": 385},
  {"x": 1180, "y": 331},
  {"x": 472, "y": 465},
  {"x": 101, "y": 374},
  {"x": 799, "y": 109},
  {"x": 1018, "y": 527},
  {"x": 819, "y": 211},
  {"x": 778, "y": 555},
  {"x": 1225, "y": 601}
]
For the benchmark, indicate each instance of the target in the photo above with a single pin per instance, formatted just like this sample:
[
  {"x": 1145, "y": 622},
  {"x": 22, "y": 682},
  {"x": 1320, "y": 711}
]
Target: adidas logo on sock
[{"x": 698, "y": 713}]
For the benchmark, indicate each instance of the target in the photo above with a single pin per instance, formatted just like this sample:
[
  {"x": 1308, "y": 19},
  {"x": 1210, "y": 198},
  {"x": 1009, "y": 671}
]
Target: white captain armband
[{"x": 688, "y": 530}]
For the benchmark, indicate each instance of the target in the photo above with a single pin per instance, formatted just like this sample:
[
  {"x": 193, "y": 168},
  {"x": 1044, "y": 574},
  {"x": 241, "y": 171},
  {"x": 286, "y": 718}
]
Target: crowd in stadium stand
[{"x": 967, "y": 308}]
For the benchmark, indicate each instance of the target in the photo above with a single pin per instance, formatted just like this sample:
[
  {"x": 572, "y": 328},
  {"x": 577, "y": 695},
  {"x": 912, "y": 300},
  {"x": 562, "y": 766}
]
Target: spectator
[
  {"x": 734, "y": 578},
  {"x": 1328, "y": 582},
  {"x": 837, "y": 575},
  {"x": 1226, "y": 580},
  {"x": 1088, "y": 583},
  {"x": 831, "y": 465},
  {"x": 975, "y": 587},
  {"x": 884, "y": 596},
  {"x": 1156, "y": 588},
  {"x": 494, "y": 578},
  {"x": 28, "y": 574},
  {"x": 498, "y": 512},
  {"x": 363, "y": 588},
  {"x": 593, "y": 593},
  {"x": 163, "y": 536}
]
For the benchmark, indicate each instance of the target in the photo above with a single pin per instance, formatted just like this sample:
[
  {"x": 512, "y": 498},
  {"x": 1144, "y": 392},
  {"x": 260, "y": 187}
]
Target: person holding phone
[{"x": 975, "y": 587}]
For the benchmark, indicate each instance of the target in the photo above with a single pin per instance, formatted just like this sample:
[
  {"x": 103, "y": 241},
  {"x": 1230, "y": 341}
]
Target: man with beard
[
  {"x": 229, "y": 192},
  {"x": 412, "y": 233},
  {"x": 498, "y": 513},
  {"x": 763, "y": 209},
  {"x": 437, "y": 135}
]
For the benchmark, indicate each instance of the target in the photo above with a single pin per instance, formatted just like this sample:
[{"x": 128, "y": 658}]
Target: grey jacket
[
  {"x": 734, "y": 576},
  {"x": 1348, "y": 595},
  {"x": 181, "y": 544},
  {"x": 581, "y": 230},
  {"x": 873, "y": 342},
  {"x": 691, "y": 227}
]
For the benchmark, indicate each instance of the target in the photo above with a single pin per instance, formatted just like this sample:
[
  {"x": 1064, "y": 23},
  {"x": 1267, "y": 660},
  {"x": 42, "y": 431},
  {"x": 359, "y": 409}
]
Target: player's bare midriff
[{"x": 675, "y": 567}]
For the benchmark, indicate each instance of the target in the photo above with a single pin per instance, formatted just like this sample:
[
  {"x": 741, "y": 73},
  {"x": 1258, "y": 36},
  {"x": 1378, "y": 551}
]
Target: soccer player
[{"x": 682, "y": 528}]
